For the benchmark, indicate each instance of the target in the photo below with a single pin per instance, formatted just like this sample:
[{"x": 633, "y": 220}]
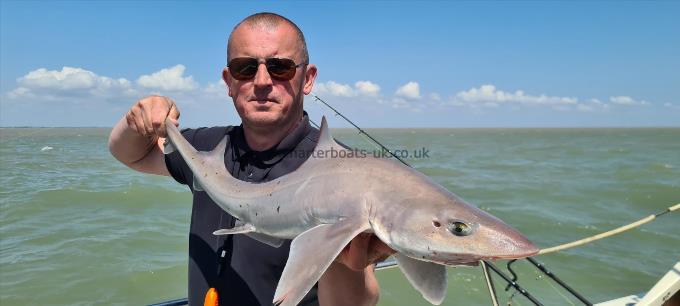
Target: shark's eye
[{"x": 459, "y": 228}]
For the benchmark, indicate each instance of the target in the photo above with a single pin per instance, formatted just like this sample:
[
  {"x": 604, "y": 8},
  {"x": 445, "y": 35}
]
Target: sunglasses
[{"x": 245, "y": 68}]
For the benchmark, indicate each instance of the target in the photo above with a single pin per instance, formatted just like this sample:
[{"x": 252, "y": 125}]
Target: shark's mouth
[
  {"x": 516, "y": 256},
  {"x": 457, "y": 259}
]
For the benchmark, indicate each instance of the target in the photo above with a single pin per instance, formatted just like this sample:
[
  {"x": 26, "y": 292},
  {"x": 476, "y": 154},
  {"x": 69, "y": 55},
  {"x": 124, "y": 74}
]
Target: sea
[{"x": 79, "y": 228}]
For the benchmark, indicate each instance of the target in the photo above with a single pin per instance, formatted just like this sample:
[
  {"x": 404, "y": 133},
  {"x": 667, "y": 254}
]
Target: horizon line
[{"x": 394, "y": 128}]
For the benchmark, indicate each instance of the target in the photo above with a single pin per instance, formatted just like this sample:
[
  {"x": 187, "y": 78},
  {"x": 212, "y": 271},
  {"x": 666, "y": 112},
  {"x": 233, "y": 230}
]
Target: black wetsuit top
[{"x": 250, "y": 270}]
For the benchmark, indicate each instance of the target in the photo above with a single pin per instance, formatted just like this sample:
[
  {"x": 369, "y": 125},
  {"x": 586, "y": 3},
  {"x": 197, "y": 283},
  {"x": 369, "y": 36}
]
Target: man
[{"x": 267, "y": 76}]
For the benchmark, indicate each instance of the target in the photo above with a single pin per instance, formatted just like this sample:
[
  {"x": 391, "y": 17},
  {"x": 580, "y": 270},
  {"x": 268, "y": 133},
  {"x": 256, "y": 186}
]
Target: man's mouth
[{"x": 263, "y": 101}]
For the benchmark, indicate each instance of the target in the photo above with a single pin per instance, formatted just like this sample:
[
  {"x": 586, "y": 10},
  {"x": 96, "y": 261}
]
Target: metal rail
[{"x": 177, "y": 302}]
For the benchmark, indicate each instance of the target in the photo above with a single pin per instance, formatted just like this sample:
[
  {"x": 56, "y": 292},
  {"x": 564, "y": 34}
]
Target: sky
[{"x": 382, "y": 64}]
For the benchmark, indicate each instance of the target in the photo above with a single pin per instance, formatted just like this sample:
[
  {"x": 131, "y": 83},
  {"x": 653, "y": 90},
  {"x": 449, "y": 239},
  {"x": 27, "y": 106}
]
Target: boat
[{"x": 666, "y": 291}]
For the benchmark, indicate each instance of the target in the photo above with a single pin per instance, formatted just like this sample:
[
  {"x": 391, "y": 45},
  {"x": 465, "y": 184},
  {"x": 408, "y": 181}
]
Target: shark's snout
[
  {"x": 508, "y": 243},
  {"x": 522, "y": 250}
]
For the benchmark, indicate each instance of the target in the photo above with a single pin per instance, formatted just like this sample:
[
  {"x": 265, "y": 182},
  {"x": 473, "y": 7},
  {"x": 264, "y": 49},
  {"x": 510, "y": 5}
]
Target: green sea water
[{"x": 78, "y": 228}]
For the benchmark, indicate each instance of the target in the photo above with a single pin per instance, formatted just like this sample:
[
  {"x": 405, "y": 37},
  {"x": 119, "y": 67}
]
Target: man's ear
[
  {"x": 310, "y": 76},
  {"x": 226, "y": 77}
]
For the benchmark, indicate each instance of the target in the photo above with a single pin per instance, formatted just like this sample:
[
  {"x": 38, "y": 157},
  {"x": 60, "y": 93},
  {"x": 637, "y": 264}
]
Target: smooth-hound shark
[{"x": 329, "y": 200}]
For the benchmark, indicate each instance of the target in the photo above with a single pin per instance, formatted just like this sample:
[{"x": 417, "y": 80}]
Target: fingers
[
  {"x": 173, "y": 114},
  {"x": 364, "y": 250},
  {"x": 378, "y": 250},
  {"x": 147, "y": 111},
  {"x": 357, "y": 253},
  {"x": 159, "y": 111},
  {"x": 147, "y": 116},
  {"x": 135, "y": 121}
]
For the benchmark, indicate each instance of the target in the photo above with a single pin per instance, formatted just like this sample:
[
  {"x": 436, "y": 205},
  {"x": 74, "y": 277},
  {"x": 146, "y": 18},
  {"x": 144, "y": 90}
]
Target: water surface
[{"x": 78, "y": 228}]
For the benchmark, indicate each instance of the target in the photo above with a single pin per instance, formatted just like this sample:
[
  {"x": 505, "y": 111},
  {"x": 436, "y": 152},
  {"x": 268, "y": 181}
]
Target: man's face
[{"x": 265, "y": 102}]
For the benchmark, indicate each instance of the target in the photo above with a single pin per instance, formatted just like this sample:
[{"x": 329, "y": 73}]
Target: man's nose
[{"x": 262, "y": 77}]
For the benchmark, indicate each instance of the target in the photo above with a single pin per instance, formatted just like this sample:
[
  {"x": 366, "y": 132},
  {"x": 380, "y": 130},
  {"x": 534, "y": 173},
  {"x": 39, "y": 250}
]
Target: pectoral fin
[
  {"x": 266, "y": 239},
  {"x": 427, "y": 277},
  {"x": 239, "y": 229},
  {"x": 311, "y": 253},
  {"x": 249, "y": 230}
]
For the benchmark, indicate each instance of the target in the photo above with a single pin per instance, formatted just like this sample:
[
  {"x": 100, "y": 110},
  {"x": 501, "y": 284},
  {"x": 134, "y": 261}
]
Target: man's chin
[{"x": 263, "y": 119}]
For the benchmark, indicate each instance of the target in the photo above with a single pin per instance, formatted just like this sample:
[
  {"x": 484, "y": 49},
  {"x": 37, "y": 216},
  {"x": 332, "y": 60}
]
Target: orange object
[{"x": 211, "y": 298}]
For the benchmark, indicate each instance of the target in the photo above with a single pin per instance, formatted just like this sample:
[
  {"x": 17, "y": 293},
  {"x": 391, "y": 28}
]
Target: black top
[{"x": 250, "y": 270}]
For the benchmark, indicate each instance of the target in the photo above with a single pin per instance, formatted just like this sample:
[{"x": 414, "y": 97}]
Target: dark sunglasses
[{"x": 245, "y": 68}]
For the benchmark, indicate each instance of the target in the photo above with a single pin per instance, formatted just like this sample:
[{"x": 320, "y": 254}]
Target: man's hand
[
  {"x": 147, "y": 116},
  {"x": 137, "y": 138},
  {"x": 364, "y": 250},
  {"x": 350, "y": 280}
]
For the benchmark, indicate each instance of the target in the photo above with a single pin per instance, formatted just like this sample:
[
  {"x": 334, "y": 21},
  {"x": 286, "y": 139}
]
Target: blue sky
[{"x": 385, "y": 64}]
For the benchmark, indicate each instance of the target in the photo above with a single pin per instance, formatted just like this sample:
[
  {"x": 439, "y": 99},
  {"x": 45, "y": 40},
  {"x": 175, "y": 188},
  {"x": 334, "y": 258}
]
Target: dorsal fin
[
  {"x": 326, "y": 140},
  {"x": 218, "y": 151},
  {"x": 215, "y": 158}
]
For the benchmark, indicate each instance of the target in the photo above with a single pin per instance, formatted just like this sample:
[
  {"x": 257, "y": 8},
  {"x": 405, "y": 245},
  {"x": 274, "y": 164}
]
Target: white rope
[{"x": 608, "y": 233}]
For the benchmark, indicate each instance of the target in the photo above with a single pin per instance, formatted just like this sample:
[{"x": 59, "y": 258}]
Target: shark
[{"x": 332, "y": 198}]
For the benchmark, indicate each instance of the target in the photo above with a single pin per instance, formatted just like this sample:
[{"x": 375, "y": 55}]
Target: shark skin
[{"x": 329, "y": 200}]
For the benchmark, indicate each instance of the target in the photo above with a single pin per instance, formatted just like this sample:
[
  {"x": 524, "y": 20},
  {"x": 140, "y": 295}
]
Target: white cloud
[
  {"x": 78, "y": 85},
  {"x": 671, "y": 106},
  {"x": 216, "y": 88},
  {"x": 592, "y": 105},
  {"x": 19, "y": 92},
  {"x": 335, "y": 89},
  {"x": 484, "y": 96},
  {"x": 625, "y": 100},
  {"x": 367, "y": 88},
  {"x": 369, "y": 91},
  {"x": 399, "y": 103},
  {"x": 360, "y": 89},
  {"x": 405, "y": 104},
  {"x": 170, "y": 79},
  {"x": 75, "y": 97},
  {"x": 70, "y": 82},
  {"x": 489, "y": 95},
  {"x": 585, "y": 108},
  {"x": 67, "y": 79},
  {"x": 410, "y": 90},
  {"x": 71, "y": 90}
]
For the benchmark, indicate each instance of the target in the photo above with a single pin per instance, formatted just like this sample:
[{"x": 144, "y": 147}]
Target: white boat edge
[{"x": 662, "y": 291}]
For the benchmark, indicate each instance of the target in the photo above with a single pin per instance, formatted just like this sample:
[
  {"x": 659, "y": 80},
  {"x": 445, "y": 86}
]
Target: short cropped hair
[{"x": 271, "y": 21}]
